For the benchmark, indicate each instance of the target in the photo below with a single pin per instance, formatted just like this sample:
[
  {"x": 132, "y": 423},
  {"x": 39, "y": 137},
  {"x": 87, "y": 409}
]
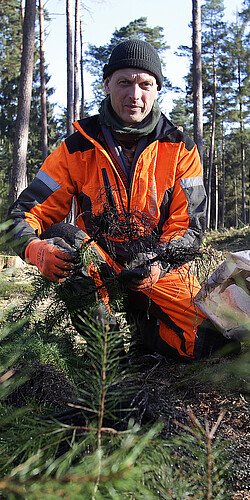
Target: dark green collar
[{"x": 108, "y": 117}]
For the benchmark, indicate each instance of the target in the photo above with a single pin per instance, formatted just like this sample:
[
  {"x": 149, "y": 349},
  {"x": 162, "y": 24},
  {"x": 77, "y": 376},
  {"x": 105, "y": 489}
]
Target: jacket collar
[{"x": 92, "y": 128}]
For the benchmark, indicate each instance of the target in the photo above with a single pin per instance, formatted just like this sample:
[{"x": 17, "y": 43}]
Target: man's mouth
[{"x": 133, "y": 107}]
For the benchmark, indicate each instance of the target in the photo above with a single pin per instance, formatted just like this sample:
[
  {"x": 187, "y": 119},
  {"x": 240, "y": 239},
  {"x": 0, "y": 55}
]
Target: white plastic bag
[{"x": 225, "y": 297}]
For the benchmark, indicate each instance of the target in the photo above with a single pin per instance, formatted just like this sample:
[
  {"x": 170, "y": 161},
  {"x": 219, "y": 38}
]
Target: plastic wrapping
[{"x": 225, "y": 297}]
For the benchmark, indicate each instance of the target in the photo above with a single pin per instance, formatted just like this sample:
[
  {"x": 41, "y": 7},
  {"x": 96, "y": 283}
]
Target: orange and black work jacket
[{"x": 166, "y": 185}]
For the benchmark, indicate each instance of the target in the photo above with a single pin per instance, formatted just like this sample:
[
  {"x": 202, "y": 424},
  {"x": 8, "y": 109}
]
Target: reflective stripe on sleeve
[
  {"x": 49, "y": 181},
  {"x": 191, "y": 182}
]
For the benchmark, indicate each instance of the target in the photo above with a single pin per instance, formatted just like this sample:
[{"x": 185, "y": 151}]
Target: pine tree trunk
[
  {"x": 243, "y": 166},
  {"x": 236, "y": 203},
  {"x": 71, "y": 77},
  {"x": 76, "y": 63},
  {"x": 242, "y": 142},
  {"x": 19, "y": 171},
  {"x": 44, "y": 132},
  {"x": 22, "y": 11},
  {"x": 216, "y": 222},
  {"x": 69, "y": 69},
  {"x": 223, "y": 183},
  {"x": 197, "y": 78},
  {"x": 212, "y": 142},
  {"x": 81, "y": 68}
]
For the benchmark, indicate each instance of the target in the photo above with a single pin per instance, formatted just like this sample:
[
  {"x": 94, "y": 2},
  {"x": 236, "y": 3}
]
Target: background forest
[{"x": 225, "y": 80}]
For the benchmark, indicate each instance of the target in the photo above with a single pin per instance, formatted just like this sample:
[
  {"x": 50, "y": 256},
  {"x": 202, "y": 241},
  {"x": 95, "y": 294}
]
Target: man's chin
[{"x": 133, "y": 120}]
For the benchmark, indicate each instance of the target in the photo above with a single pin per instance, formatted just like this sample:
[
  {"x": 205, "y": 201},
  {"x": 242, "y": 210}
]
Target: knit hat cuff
[
  {"x": 134, "y": 54},
  {"x": 129, "y": 63}
]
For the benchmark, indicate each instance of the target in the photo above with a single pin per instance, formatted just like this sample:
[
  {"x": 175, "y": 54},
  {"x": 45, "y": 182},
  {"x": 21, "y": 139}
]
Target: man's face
[{"x": 132, "y": 92}]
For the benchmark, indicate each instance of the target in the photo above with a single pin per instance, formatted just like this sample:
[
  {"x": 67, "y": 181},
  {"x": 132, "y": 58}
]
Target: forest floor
[{"x": 175, "y": 391}]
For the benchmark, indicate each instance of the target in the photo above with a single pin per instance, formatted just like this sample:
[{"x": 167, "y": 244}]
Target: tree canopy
[
  {"x": 98, "y": 56},
  {"x": 225, "y": 75}
]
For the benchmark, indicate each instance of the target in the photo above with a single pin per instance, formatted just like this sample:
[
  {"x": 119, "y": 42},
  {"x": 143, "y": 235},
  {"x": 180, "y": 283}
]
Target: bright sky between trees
[{"x": 100, "y": 18}]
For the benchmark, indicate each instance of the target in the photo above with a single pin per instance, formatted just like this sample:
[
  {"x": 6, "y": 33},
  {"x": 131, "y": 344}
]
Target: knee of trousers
[{"x": 149, "y": 329}]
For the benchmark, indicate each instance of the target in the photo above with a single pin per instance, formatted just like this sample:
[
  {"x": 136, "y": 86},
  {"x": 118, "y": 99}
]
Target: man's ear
[{"x": 106, "y": 85}]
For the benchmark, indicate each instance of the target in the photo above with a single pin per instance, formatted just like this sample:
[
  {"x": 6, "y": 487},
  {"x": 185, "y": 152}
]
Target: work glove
[
  {"x": 142, "y": 274},
  {"x": 53, "y": 257}
]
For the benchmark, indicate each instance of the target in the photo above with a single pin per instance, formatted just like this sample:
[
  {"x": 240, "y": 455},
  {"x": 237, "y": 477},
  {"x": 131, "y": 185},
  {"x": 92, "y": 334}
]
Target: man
[{"x": 137, "y": 182}]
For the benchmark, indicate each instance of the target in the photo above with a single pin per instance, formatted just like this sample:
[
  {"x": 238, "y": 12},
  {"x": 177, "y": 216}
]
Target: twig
[
  {"x": 101, "y": 407},
  {"x": 209, "y": 436}
]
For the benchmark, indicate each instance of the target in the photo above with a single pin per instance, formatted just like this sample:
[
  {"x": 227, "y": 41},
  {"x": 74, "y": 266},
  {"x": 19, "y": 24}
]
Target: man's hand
[
  {"x": 142, "y": 273},
  {"x": 150, "y": 279},
  {"x": 53, "y": 257}
]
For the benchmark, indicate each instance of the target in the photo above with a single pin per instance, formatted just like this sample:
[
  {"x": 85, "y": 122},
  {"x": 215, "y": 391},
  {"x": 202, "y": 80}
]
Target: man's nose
[{"x": 135, "y": 92}]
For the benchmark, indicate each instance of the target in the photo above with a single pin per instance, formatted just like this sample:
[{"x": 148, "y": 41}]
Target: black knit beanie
[{"x": 134, "y": 54}]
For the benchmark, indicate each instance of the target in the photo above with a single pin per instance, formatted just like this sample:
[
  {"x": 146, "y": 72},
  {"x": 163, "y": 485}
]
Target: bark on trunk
[
  {"x": 22, "y": 11},
  {"x": 44, "y": 132},
  {"x": 223, "y": 184},
  {"x": 242, "y": 140},
  {"x": 243, "y": 155},
  {"x": 197, "y": 78},
  {"x": 212, "y": 142},
  {"x": 216, "y": 222},
  {"x": 236, "y": 204},
  {"x": 69, "y": 68},
  {"x": 76, "y": 63},
  {"x": 82, "y": 75},
  {"x": 19, "y": 170}
]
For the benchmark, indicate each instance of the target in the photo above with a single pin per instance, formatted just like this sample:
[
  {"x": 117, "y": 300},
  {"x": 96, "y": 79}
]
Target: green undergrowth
[
  {"x": 229, "y": 240},
  {"x": 42, "y": 457},
  {"x": 12, "y": 288}
]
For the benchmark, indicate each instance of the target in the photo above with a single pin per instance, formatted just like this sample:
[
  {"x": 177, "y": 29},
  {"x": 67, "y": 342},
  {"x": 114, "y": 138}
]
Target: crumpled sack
[{"x": 225, "y": 297}]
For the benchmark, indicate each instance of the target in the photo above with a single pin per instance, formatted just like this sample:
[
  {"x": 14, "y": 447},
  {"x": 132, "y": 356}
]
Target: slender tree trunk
[
  {"x": 82, "y": 75},
  {"x": 76, "y": 63},
  {"x": 216, "y": 221},
  {"x": 22, "y": 10},
  {"x": 248, "y": 208},
  {"x": 212, "y": 142},
  {"x": 223, "y": 183},
  {"x": 70, "y": 118},
  {"x": 242, "y": 154},
  {"x": 242, "y": 141},
  {"x": 73, "y": 107},
  {"x": 19, "y": 171},
  {"x": 243, "y": 181},
  {"x": 197, "y": 78},
  {"x": 236, "y": 203},
  {"x": 43, "y": 86}
]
